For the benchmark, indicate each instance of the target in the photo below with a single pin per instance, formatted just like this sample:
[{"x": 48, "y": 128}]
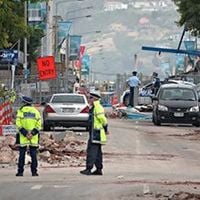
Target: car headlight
[
  {"x": 162, "y": 108},
  {"x": 194, "y": 109}
]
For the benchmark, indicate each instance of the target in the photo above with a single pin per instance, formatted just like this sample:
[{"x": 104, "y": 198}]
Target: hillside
[{"x": 125, "y": 27}]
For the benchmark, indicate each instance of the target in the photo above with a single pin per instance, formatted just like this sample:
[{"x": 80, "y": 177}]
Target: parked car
[
  {"x": 66, "y": 110},
  {"x": 176, "y": 103}
]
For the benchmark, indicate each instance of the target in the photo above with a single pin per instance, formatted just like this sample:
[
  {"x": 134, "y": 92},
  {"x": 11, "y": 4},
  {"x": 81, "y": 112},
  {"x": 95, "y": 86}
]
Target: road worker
[
  {"x": 98, "y": 129},
  {"x": 28, "y": 122}
]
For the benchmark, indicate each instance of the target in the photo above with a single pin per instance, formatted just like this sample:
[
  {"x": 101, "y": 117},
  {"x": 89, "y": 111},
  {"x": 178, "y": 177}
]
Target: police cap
[
  {"x": 94, "y": 95},
  {"x": 26, "y": 99}
]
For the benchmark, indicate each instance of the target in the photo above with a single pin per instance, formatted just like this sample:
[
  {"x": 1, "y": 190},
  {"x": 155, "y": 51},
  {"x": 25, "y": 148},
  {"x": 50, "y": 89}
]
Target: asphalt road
[{"x": 141, "y": 161}]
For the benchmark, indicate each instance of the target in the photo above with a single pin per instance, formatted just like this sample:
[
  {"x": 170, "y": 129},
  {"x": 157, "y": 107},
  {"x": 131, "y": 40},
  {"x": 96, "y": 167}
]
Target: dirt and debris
[
  {"x": 184, "y": 196},
  {"x": 165, "y": 196},
  {"x": 195, "y": 135},
  {"x": 68, "y": 151}
]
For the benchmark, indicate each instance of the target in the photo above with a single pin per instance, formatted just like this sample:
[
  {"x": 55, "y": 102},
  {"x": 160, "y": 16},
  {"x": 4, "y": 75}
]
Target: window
[
  {"x": 68, "y": 99},
  {"x": 178, "y": 94},
  {"x": 34, "y": 15}
]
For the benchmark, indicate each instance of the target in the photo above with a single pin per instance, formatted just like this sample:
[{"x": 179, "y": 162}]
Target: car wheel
[
  {"x": 197, "y": 124},
  {"x": 46, "y": 127},
  {"x": 156, "y": 121}
]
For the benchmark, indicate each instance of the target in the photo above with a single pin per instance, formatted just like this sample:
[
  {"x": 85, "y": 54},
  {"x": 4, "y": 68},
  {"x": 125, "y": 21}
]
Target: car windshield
[
  {"x": 68, "y": 99},
  {"x": 178, "y": 94}
]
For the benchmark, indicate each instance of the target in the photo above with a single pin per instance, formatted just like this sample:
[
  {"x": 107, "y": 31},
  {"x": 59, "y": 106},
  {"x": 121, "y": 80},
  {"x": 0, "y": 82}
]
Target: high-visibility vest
[
  {"x": 99, "y": 121},
  {"x": 29, "y": 118}
]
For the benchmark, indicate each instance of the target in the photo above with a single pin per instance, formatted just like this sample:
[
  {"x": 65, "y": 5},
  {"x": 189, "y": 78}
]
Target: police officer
[
  {"x": 28, "y": 122},
  {"x": 156, "y": 83},
  {"x": 98, "y": 129},
  {"x": 132, "y": 82}
]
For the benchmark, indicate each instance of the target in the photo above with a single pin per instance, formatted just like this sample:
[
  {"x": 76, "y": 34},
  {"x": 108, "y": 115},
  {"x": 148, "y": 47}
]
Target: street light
[
  {"x": 80, "y": 17},
  {"x": 75, "y": 10},
  {"x": 50, "y": 24}
]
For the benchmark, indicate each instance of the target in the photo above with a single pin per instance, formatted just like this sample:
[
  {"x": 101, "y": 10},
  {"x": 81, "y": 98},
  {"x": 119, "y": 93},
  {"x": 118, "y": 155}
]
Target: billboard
[
  {"x": 79, "y": 61},
  {"x": 180, "y": 63},
  {"x": 63, "y": 31},
  {"x": 8, "y": 56},
  {"x": 85, "y": 68},
  {"x": 75, "y": 42}
]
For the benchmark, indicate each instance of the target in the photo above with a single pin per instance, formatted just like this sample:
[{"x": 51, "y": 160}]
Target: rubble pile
[
  {"x": 69, "y": 151},
  {"x": 7, "y": 154},
  {"x": 184, "y": 196},
  {"x": 121, "y": 111}
]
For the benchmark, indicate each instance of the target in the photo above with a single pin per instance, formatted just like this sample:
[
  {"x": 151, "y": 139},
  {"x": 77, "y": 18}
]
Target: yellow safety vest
[
  {"x": 29, "y": 118},
  {"x": 99, "y": 121}
]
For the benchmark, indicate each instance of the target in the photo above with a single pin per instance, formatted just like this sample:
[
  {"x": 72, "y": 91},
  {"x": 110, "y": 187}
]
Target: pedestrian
[
  {"x": 132, "y": 82},
  {"x": 98, "y": 129},
  {"x": 28, "y": 122},
  {"x": 76, "y": 85},
  {"x": 155, "y": 83}
]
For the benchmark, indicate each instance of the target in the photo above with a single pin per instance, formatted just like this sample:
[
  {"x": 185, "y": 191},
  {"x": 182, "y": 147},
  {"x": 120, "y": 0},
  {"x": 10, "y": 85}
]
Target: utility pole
[
  {"x": 25, "y": 43},
  {"x": 50, "y": 34},
  {"x": 67, "y": 64}
]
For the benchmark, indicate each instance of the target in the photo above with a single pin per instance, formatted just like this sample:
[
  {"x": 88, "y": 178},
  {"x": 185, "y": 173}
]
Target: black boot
[
  {"x": 97, "y": 172},
  {"x": 86, "y": 172},
  {"x": 19, "y": 174},
  {"x": 35, "y": 174}
]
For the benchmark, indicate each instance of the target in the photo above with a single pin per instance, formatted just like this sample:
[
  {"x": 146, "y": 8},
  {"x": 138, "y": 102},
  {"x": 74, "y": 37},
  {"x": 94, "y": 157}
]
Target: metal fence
[{"x": 39, "y": 90}]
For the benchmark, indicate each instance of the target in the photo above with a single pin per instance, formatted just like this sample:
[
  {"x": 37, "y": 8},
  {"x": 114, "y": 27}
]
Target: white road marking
[
  {"x": 61, "y": 186},
  {"x": 36, "y": 187},
  {"x": 146, "y": 189},
  {"x": 137, "y": 145}
]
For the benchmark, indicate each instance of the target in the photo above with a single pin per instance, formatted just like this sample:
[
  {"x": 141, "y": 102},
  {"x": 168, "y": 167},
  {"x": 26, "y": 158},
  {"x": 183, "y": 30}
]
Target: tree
[
  {"x": 13, "y": 28},
  {"x": 34, "y": 41},
  {"x": 190, "y": 15}
]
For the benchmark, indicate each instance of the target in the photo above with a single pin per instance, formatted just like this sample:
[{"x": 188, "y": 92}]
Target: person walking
[
  {"x": 76, "y": 85},
  {"x": 28, "y": 122},
  {"x": 98, "y": 129},
  {"x": 132, "y": 82}
]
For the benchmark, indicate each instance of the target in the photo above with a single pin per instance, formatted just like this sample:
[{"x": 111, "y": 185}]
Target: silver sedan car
[{"x": 66, "y": 110}]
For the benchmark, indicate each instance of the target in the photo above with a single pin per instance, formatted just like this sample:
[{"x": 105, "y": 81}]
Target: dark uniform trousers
[
  {"x": 131, "y": 97},
  {"x": 21, "y": 161},
  {"x": 94, "y": 156}
]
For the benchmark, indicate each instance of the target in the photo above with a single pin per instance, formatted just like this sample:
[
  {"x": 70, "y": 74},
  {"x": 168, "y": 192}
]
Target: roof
[
  {"x": 179, "y": 85},
  {"x": 65, "y": 94}
]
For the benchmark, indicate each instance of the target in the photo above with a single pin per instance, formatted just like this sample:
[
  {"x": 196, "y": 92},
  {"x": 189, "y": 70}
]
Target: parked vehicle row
[{"x": 175, "y": 102}]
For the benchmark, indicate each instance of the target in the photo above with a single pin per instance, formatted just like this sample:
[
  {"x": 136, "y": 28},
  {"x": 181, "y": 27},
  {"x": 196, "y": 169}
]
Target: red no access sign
[{"x": 46, "y": 68}]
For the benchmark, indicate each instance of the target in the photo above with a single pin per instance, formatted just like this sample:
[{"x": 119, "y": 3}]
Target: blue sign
[
  {"x": 180, "y": 63},
  {"x": 75, "y": 43},
  {"x": 8, "y": 56},
  {"x": 85, "y": 65},
  {"x": 190, "y": 45},
  {"x": 63, "y": 31},
  {"x": 26, "y": 72}
]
